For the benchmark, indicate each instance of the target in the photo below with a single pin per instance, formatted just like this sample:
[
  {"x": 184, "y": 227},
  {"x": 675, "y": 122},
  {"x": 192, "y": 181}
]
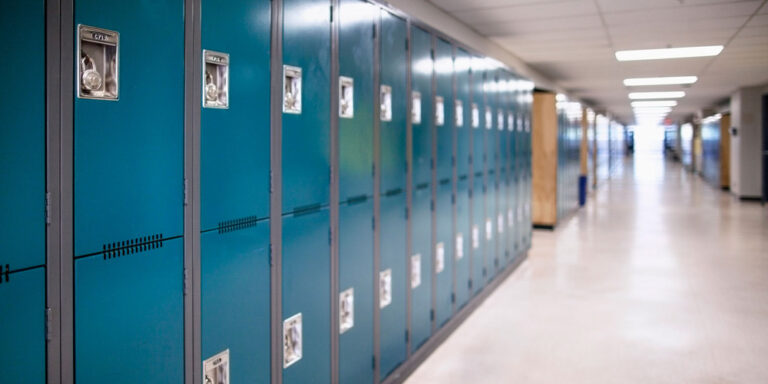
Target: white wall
[
  {"x": 440, "y": 20},
  {"x": 747, "y": 145}
]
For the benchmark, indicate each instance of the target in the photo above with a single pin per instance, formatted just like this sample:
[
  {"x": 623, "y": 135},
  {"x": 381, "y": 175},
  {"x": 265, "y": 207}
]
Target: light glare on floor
[
  {"x": 673, "y": 80},
  {"x": 668, "y": 53}
]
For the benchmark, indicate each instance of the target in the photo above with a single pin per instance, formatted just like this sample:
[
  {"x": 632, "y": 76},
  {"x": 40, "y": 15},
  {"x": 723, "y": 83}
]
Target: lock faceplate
[
  {"x": 385, "y": 288},
  {"x": 459, "y": 246},
  {"x": 415, "y": 270},
  {"x": 475, "y": 116},
  {"x": 215, "y": 79},
  {"x": 488, "y": 118},
  {"x": 416, "y": 107},
  {"x": 98, "y": 63},
  {"x": 386, "y": 103},
  {"x": 500, "y": 119},
  {"x": 488, "y": 229},
  {"x": 291, "y": 89},
  {"x": 346, "y": 97},
  {"x": 439, "y": 111},
  {"x": 346, "y": 310},
  {"x": 439, "y": 257},
  {"x": 475, "y": 237},
  {"x": 292, "y": 340},
  {"x": 500, "y": 223},
  {"x": 216, "y": 368},
  {"x": 459, "y": 113}
]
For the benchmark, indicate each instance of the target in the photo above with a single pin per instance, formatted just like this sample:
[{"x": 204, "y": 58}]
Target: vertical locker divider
[
  {"x": 408, "y": 184},
  {"x": 334, "y": 195},
  {"x": 276, "y": 191},
  {"x": 433, "y": 176},
  {"x": 376, "y": 194},
  {"x": 454, "y": 180}
]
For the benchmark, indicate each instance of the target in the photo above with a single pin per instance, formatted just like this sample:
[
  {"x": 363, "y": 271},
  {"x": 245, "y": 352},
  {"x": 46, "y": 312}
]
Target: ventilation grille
[
  {"x": 237, "y": 224},
  {"x": 128, "y": 247}
]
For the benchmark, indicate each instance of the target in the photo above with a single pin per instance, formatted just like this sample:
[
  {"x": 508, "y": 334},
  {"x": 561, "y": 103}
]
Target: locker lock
[
  {"x": 415, "y": 270},
  {"x": 216, "y": 81},
  {"x": 416, "y": 107},
  {"x": 291, "y": 89},
  {"x": 346, "y": 97},
  {"x": 459, "y": 113},
  {"x": 346, "y": 310},
  {"x": 292, "y": 340},
  {"x": 97, "y": 63},
  {"x": 385, "y": 288},
  {"x": 439, "y": 111},
  {"x": 386, "y": 103}
]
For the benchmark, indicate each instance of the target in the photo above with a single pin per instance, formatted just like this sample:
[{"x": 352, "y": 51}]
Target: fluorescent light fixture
[
  {"x": 675, "y": 80},
  {"x": 655, "y": 103},
  {"x": 668, "y": 53},
  {"x": 656, "y": 95}
]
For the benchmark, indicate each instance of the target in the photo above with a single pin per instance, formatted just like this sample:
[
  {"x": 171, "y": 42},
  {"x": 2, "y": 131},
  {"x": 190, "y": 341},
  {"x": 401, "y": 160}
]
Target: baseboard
[
  {"x": 401, "y": 373},
  {"x": 544, "y": 226},
  {"x": 751, "y": 198}
]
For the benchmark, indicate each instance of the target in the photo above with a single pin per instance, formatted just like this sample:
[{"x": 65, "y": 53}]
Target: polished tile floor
[{"x": 662, "y": 278}]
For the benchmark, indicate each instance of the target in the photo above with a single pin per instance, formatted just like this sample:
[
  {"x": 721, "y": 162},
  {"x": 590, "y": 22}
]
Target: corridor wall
[{"x": 291, "y": 191}]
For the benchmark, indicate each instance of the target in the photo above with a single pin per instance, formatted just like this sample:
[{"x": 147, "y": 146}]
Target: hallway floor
[{"x": 661, "y": 278}]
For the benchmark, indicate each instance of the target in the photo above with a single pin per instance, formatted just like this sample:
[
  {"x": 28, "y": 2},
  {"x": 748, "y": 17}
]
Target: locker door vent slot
[
  {"x": 393, "y": 192},
  {"x": 422, "y": 186},
  {"x": 238, "y": 224},
  {"x": 445, "y": 181},
  {"x": 357, "y": 199},
  {"x": 306, "y": 209},
  {"x": 128, "y": 247}
]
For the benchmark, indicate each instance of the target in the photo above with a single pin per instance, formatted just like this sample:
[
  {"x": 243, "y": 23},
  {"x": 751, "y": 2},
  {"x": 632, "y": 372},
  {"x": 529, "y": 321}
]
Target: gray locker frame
[
  {"x": 334, "y": 195},
  {"x": 376, "y": 194}
]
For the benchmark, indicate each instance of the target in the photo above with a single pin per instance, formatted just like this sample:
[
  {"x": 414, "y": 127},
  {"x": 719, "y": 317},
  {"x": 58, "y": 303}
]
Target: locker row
[{"x": 288, "y": 191}]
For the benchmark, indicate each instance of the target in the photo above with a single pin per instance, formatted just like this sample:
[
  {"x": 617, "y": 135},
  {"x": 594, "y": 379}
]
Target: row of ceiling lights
[{"x": 654, "y": 106}]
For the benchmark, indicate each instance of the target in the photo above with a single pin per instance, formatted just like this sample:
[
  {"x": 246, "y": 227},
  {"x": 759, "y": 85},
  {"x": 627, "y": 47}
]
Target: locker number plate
[
  {"x": 439, "y": 111},
  {"x": 459, "y": 246},
  {"x": 459, "y": 113},
  {"x": 475, "y": 237},
  {"x": 439, "y": 257},
  {"x": 475, "y": 116}
]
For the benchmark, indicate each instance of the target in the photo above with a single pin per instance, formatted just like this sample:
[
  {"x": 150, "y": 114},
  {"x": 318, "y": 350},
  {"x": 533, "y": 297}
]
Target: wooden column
[{"x": 544, "y": 159}]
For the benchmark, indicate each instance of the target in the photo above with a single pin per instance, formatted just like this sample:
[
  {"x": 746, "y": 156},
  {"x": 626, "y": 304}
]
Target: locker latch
[
  {"x": 291, "y": 89},
  {"x": 415, "y": 270},
  {"x": 385, "y": 288},
  {"x": 439, "y": 111},
  {"x": 459, "y": 113},
  {"x": 346, "y": 97},
  {"x": 346, "y": 310},
  {"x": 439, "y": 257},
  {"x": 386, "y": 103},
  {"x": 216, "y": 79},
  {"x": 475, "y": 116},
  {"x": 292, "y": 340},
  {"x": 416, "y": 107},
  {"x": 97, "y": 63},
  {"x": 216, "y": 368}
]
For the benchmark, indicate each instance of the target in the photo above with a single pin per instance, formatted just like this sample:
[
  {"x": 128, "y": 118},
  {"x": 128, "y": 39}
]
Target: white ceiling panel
[
  {"x": 465, "y": 5},
  {"x": 676, "y": 14},
  {"x": 540, "y": 25},
  {"x": 529, "y": 12}
]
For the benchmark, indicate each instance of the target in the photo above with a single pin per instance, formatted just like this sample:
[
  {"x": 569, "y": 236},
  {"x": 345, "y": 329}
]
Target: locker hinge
[
  {"x": 432, "y": 163},
  {"x": 432, "y": 54},
  {"x": 186, "y": 201},
  {"x": 271, "y": 258},
  {"x": 485, "y": 272},
  {"x": 373, "y": 362},
  {"x": 470, "y": 193},
  {"x": 271, "y": 183},
  {"x": 407, "y": 213},
  {"x": 48, "y": 327},
  {"x": 331, "y": 13},
  {"x": 330, "y": 236},
  {"x": 453, "y": 297},
  {"x": 186, "y": 282},
  {"x": 453, "y": 161},
  {"x": 407, "y": 336},
  {"x": 432, "y": 314},
  {"x": 374, "y": 31},
  {"x": 453, "y": 199},
  {"x": 432, "y": 205},
  {"x": 373, "y": 170},
  {"x": 469, "y": 283},
  {"x": 373, "y": 223},
  {"x": 47, "y": 207},
  {"x": 407, "y": 45}
]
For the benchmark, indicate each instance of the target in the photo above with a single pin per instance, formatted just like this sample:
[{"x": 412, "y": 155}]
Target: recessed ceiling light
[
  {"x": 656, "y": 95},
  {"x": 655, "y": 103},
  {"x": 674, "y": 80},
  {"x": 668, "y": 53}
]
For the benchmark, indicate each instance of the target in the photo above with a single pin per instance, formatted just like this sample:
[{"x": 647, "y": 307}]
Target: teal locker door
[
  {"x": 129, "y": 315},
  {"x": 22, "y": 192},
  {"x": 393, "y": 228},
  {"x": 477, "y": 235},
  {"x": 356, "y": 273},
  {"x": 128, "y": 191},
  {"x": 234, "y": 180},
  {"x": 445, "y": 126},
  {"x": 235, "y": 298},
  {"x": 491, "y": 158},
  {"x": 22, "y": 326},
  {"x": 462, "y": 244},
  {"x": 422, "y": 106},
  {"x": 421, "y": 268},
  {"x": 306, "y": 268},
  {"x": 444, "y": 253}
]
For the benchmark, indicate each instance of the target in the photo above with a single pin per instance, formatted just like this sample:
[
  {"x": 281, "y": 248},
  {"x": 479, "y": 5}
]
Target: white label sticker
[
  {"x": 416, "y": 108},
  {"x": 475, "y": 237},
  {"x": 439, "y": 111},
  {"x": 415, "y": 270},
  {"x": 488, "y": 229},
  {"x": 292, "y": 340},
  {"x": 488, "y": 118},
  {"x": 459, "y": 113},
  {"x": 386, "y": 103},
  {"x": 439, "y": 257},
  {"x": 346, "y": 310},
  {"x": 216, "y": 369},
  {"x": 346, "y": 97},
  {"x": 459, "y": 246},
  {"x": 475, "y": 116},
  {"x": 385, "y": 288},
  {"x": 500, "y": 223}
]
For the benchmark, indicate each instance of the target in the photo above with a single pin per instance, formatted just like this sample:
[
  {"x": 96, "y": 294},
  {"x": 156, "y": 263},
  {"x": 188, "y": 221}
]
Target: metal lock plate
[
  {"x": 459, "y": 114},
  {"x": 439, "y": 257},
  {"x": 439, "y": 111},
  {"x": 488, "y": 118},
  {"x": 346, "y": 310},
  {"x": 519, "y": 124},
  {"x": 510, "y": 217},
  {"x": 527, "y": 125},
  {"x": 415, "y": 270},
  {"x": 510, "y": 121},
  {"x": 475, "y": 116},
  {"x": 386, "y": 103},
  {"x": 215, "y": 79},
  {"x": 216, "y": 369},
  {"x": 488, "y": 229},
  {"x": 385, "y": 288},
  {"x": 500, "y": 119},
  {"x": 292, "y": 340},
  {"x": 475, "y": 237},
  {"x": 291, "y": 89},
  {"x": 346, "y": 97},
  {"x": 500, "y": 223},
  {"x": 98, "y": 63},
  {"x": 416, "y": 107},
  {"x": 459, "y": 246}
]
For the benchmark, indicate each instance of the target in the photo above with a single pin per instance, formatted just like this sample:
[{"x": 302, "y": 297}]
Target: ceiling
[{"x": 573, "y": 43}]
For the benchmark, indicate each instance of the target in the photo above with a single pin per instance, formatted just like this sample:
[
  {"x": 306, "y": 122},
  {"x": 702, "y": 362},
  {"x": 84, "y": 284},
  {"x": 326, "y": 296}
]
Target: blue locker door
[
  {"x": 477, "y": 235},
  {"x": 235, "y": 298},
  {"x": 393, "y": 254},
  {"x": 462, "y": 244},
  {"x": 445, "y": 244},
  {"x": 129, "y": 315},
  {"x": 22, "y": 135},
  {"x": 22, "y": 326},
  {"x": 445, "y": 131},
  {"x": 356, "y": 273},
  {"x": 393, "y": 228},
  {"x": 464, "y": 130},
  {"x": 128, "y": 201},
  {"x": 421, "y": 82},
  {"x": 489, "y": 231},
  {"x": 306, "y": 291},
  {"x": 421, "y": 268}
]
